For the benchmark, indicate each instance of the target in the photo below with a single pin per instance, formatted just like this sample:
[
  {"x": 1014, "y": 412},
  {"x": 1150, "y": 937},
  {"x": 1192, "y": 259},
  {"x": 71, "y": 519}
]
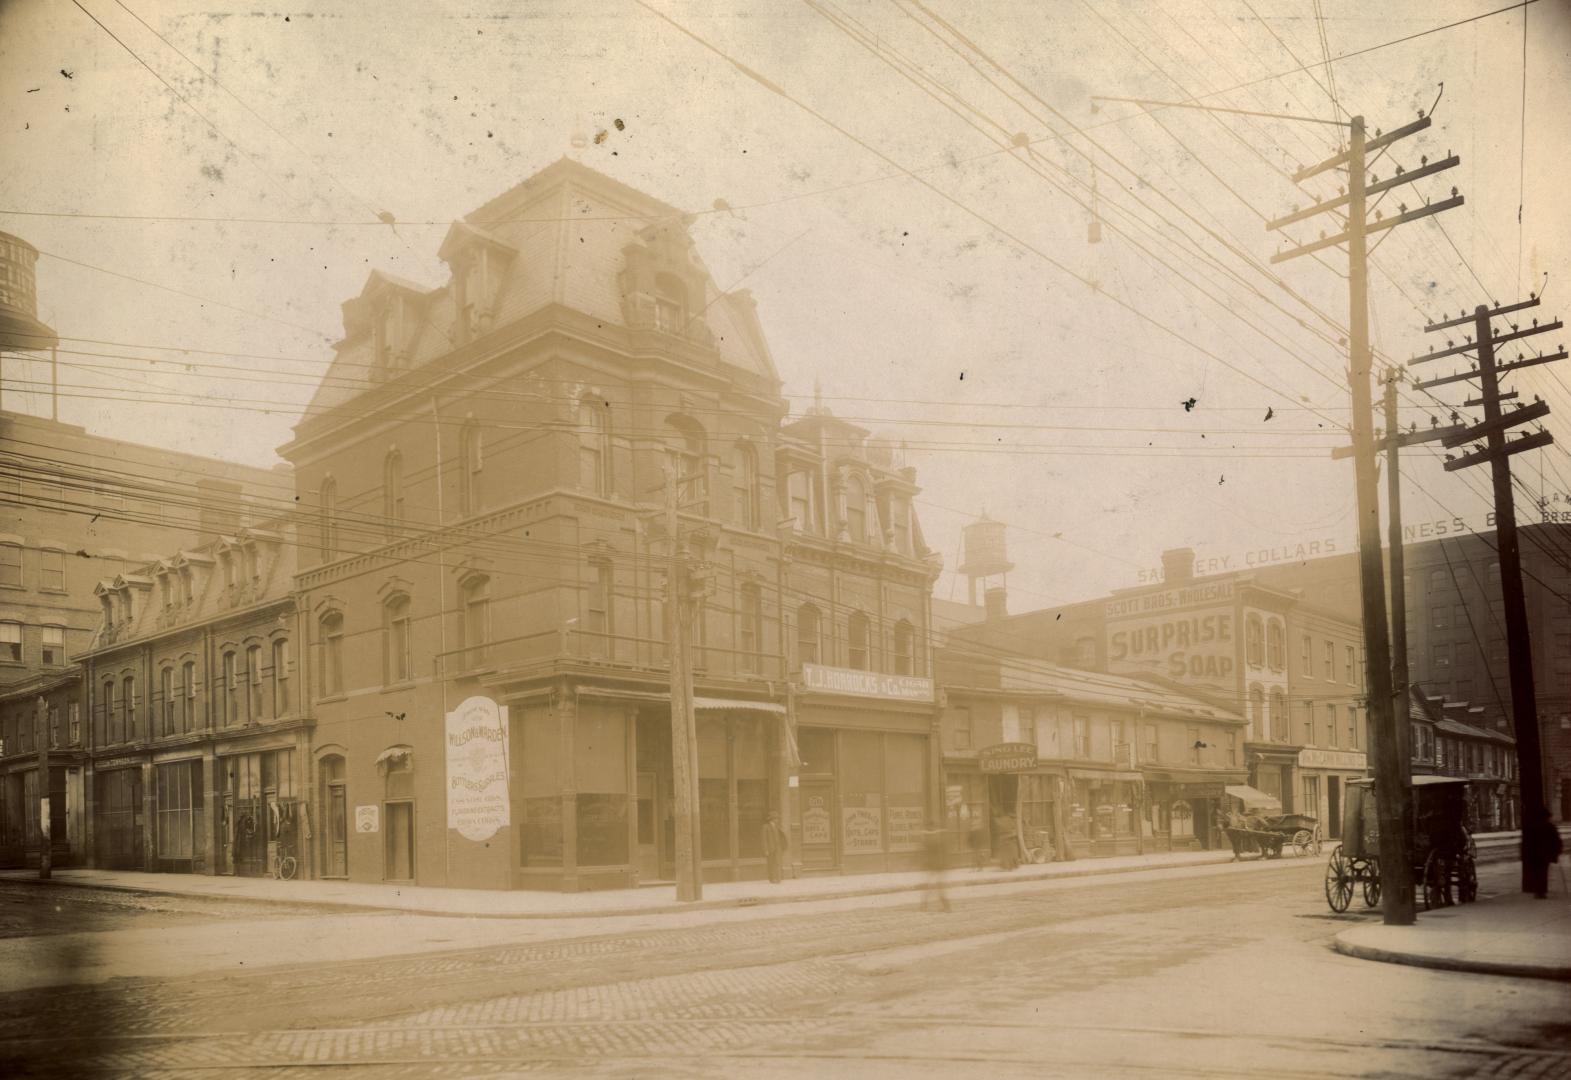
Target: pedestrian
[
  {"x": 1008, "y": 850},
  {"x": 1218, "y": 827},
  {"x": 935, "y": 847},
  {"x": 1540, "y": 847},
  {"x": 979, "y": 842},
  {"x": 776, "y": 843}
]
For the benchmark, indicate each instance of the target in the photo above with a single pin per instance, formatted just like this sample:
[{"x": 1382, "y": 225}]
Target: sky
[{"x": 909, "y": 188}]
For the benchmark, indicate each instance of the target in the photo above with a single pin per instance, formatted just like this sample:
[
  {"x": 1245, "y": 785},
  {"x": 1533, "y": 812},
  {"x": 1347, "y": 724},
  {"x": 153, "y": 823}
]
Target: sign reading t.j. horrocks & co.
[
  {"x": 833, "y": 680},
  {"x": 477, "y": 802}
]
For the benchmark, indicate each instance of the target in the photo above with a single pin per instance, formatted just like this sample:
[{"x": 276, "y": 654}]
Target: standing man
[
  {"x": 776, "y": 842},
  {"x": 1540, "y": 847},
  {"x": 936, "y": 849}
]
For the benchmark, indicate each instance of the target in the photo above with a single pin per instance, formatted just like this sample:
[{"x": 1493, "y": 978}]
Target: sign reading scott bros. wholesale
[
  {"x": 833, "y": 680},
  {"x": 477, "y": 801},
  {"x": 1198, "y": 646}
]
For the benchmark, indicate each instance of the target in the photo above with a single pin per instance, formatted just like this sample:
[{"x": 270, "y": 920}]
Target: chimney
[
  {"x": 1178, "y": 565},
  {"x": 995, "y": 602}
]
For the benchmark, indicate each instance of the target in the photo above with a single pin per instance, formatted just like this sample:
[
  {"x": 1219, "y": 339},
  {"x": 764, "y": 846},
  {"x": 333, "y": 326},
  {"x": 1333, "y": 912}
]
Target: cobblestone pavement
[{"x": 1218, "y": 975}]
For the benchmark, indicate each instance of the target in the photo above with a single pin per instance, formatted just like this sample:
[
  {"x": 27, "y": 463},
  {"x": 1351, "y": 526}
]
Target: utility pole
[
  {"x": 41, "y": 720},
  {"x": 1497, "y": 451},
  {"x": 684, "y": 749},
  {"x": 1392, "y": 792}
]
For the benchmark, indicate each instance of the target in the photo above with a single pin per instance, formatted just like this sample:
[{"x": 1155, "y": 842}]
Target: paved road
[{"x": 1222, "y": 973}]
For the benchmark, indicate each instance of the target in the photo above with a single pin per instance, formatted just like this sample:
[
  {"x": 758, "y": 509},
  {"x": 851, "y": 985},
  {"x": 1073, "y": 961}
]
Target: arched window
[
  {"x": 327, "y": 521},
  {"x": 398, "y": 648},
  {"x": 750, "y": 626},
  {"x": 128, "y": 702},
  {"x": 749, "y": 493},
  {"x": 188, "y": 696},
  {"x": 393, "y": 493},
  {"x": 229, "y": 691},
  {"x": 670, "y": 304},
  {"x": 1257, "y": 708},
  {"x": 166, "y": 700},
  {"x": 685, "y": 442},
  {"x": 108, "y": 719},
  {"x": 475, "y": 600},
  {"x": 1281, "y": 726},
  {"x": 857, "y": 633},
  {"x": 335, "y": 809},
  {"x": 856, "y": 510},
  {"x": 331, "y": 637},
  {"x": 471, "y": 495},
  {"x": 807, "y": 634},
  {"x": 281, "y": 677},
  {"x": 1254, "y": 641},
  {"x": 253, "y": 682},
  {"x": 1276, "y": 645},
  {"x": 594, "y": 449},
  {"x": 905, "y": 639}
]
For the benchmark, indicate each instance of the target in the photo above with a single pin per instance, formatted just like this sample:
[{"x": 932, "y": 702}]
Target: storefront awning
[
  {"x": 1253, "y": 797},
  {"x": 715, "y": 704}
]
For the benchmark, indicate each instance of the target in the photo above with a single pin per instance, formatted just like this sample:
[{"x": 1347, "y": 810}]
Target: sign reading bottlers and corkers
[
  {"x": 833, "y": 680},
  {"x": 477, "y": 802},
  {"x": 1007, "y": 757}
]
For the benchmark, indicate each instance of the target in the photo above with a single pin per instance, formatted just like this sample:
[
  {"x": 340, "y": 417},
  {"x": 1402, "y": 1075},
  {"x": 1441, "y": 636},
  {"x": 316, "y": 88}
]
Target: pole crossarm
[
  {"x": 1470, "y": 402},
  {"x": 1404, "y": 439},
  {"x": 1503, "y": 422},
  {"x": 1373, "y": 189},
  {"x": 1514, "y": 446},
  {"x": 1444, "y": 379},
  {"x": 1342, "y": 238},
  {"x": 1532, "y": 361},
  {"x": 1380, "y": 142},
  {"x": 1453, "y": 350},
  {"x": 1467, "y": 320}
]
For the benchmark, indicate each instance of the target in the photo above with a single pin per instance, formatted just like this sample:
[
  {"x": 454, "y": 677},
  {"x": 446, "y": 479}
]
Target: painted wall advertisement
[
  {"x": 477, "y": 802},
  {"x": 1197, "y": 646}
]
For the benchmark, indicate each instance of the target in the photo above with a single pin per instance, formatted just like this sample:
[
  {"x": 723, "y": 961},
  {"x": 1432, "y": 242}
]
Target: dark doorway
[{"x": 1334, "y": 806}]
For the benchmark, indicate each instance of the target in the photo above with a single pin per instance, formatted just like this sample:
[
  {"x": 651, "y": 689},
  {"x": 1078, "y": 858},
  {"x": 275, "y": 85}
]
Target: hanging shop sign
[
  {"x": 1007, "y": 757},
  {"x": 367, "y": 819},
  {"x": 477, "y": 801},
  {"x": 833, "y": 680}
]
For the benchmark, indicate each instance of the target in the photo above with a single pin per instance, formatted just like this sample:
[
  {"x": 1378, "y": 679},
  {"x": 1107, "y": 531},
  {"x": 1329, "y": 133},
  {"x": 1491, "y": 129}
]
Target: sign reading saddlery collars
[{"x": 477, "y": 802}]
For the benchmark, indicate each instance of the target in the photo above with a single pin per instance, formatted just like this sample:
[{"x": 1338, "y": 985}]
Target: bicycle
[{"x": 286, "y": 865}]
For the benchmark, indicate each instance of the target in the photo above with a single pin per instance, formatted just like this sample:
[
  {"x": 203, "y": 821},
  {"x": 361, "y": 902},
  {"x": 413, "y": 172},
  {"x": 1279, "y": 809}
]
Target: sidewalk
[
  {"x": 1509, "y": 934},
  {"x": 649, "y": 900}
]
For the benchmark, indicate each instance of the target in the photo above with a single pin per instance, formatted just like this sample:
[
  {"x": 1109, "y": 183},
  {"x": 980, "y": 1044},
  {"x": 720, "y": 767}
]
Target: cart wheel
[
  {"x": 1466, "y": 880},
  {"x": 287, "y": 867},
  {"x": 1302, "y": 841},
  {"x": 1437, "y": 881},
  {"x": 1371, "y": 892},
  {"x": 1339, "y": 881}
]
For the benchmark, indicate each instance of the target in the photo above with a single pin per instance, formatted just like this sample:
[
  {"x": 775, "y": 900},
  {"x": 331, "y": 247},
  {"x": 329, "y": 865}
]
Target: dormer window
[
  {"x": 107, "y": 599},
  {"x": 228, "y": 560},
  {"x": 670, "y": 304},
  {"x": 187, "y": 585}
]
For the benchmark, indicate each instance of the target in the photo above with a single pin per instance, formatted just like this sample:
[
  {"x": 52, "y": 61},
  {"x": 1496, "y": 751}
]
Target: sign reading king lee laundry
[
  {"x": 833, "y": 680},
  {"x": 477, "y": 802}
]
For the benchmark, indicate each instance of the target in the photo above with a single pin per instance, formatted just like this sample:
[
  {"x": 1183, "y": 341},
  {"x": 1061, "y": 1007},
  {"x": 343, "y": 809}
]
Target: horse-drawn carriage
[
  {"x": 1444, "y": 870},
  {"x": 1257, "y": 825}
]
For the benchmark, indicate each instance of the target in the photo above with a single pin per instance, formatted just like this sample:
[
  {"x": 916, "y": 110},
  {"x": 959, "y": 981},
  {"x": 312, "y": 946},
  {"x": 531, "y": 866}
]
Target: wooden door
[{"x": 817, "y": 818}]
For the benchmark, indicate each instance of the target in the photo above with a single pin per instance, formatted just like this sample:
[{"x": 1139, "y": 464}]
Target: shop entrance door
[
  {"x": 818, "y": 814},
  {"x": 649, "y": 833}
]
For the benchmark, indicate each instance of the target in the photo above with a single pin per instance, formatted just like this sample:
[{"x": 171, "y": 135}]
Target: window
[
  {"x": 1353, "y": 741},
  {"x": 471, "y": 465},
  {"x": 166, "y": 701},
  {"x": 750, "y": 626},
  {"x": 1276, "y": 646},
  {"x": 1232, "y": 748},
  {"x": 398, "y": 812},
  {"x": 10, "y": 565},
  {"x": 1152, "y": 744},
  {"x": 1082, "y": 724},
  {"x": 54, "y": 645},
  {"x": 1441, "y": 655},
  {"x": 856, "y": 642},
  {"x": 476, "y": 629},
  {"x": 398, "y": 658},
  {"x": 1437, "y": 580},
  {"x": 332, "y": 644},
  {"x": 327, "y": 522},
  {"x": 1309, "y": 723},
  {"x": 686, "y": 441},
  {"x": 51, "y": 570},
  {"x": 128, "y": 703},
  {"x": 900, "y": 522},
  {"x": 227, "y": 558},
  {"x": 280, "y": 676},
  {"x": 229, "y": 691},
  {"x": 593, "y": 447},
  {"x": 1255, "y": 641},
  {"x": 1330, "y": 661},
  {"x": 749, "y": 494},
  {"x": 253, "y": 678},
  {"x": 856, "y": 510},
  {"x": 1350, "y": 670},
  {"x": 1281, "y": 730},
  {"x": 1195, "y": 744},
  {"x": 188, "y": 689},
  {"x": 807, "y": 634},
  {"x": 393, "y": 493},
  {"x": 1330, "y": 724},
  {"x": 11, "y": 642},
  {"x": 1307, "y": 657},
  {"x": 670, "y": 304},
  {"x": 1257, "y": 709},
  {"x": 188, "y": 584},
  {"x": 905, "y": 640},
  {"x": 1439, "y": 617},
  {"x": 799, "y": 488},
  {"x": 960, "y": 733},
  {"x": 73, "y": 713}
]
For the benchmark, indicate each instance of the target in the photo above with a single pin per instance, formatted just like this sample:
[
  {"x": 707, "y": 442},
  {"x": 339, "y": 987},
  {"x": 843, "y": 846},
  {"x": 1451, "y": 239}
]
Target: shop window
[
  {"x": 471, "y": 455},
  {"x": 166, "y": 701},
  {"x": 335, "y": 812},
  {"x": 53, "y": 646},
  {"x": 538, "y": 763},
  {"x": 600, "y": 770},
  {"x": 253, "y": 680},
  {"x": 281, "y": 677},
  {"x": 327, "y": 518},
  {"x": 51, "y": 570},
  {"x": 332, "y": 644},
  {"x": 750, "y": 626},
  {"x": 905, "y": 641},
  {"x": 749, "y": 492},
  {"x": 11, "y": 565},
  {"x": 856, "y": 510},
  {"x": 180, "y": 837},
  {"x": 807, "y": 634},
  {"x": 397, "y": 647},
  {"x": 11, "y": 642},
  {"x": 593, "y": 447},
  {"x": 1254, "y": 637},
  {"x": 476, "y": 635},
  {"x": 229, "y": 691},
  {"x": 393, "y": 493},
  {"x": 857, "y": 634}
]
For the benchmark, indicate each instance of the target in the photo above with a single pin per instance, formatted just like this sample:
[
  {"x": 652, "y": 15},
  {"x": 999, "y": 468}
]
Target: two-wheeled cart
[{"x": 1444, "y": 858}]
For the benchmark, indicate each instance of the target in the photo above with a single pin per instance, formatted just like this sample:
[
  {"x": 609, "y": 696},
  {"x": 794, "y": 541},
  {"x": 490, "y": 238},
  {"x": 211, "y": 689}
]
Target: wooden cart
[{"x": 1444, "y": 867}]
